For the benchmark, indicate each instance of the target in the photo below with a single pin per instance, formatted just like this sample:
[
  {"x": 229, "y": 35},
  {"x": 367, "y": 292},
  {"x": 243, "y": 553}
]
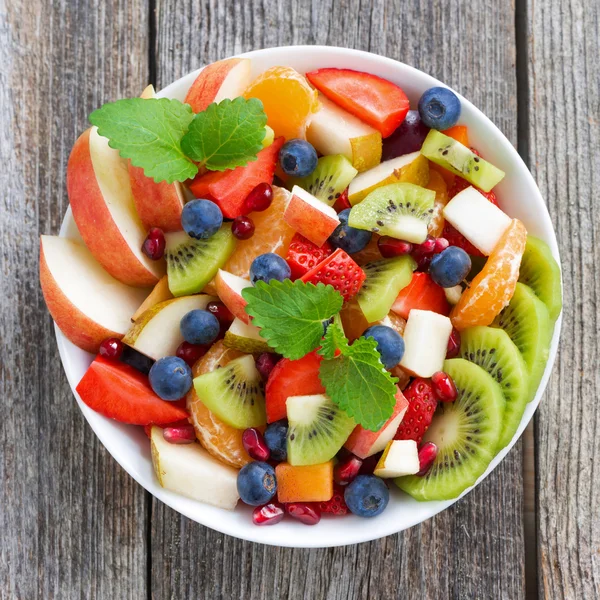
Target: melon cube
[{"x": 308, "y": 483}]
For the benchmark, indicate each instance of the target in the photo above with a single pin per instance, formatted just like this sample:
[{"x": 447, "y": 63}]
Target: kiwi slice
[
  {"x": 192, "y": 263},
  {"x": 385, "y": 279},
  {"x": 460, "y": 160},
  {"x": 466, "y": 433},
  {"x": 235, "y": 393},
  {"x": 493, "y": 350},
  {"x": 400, "y": 210},
  {"x": 327, "y": 182},
  {"x": 540, "y": 271},
  {"x": 528, "y": 325},
  {"x": 317, "y": 429}
]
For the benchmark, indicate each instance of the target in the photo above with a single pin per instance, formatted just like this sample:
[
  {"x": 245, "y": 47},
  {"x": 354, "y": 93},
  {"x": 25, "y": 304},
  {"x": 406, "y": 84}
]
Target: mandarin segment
[
  {"x": 355, "y": 324},
  {"x": 438, "y": 185}
]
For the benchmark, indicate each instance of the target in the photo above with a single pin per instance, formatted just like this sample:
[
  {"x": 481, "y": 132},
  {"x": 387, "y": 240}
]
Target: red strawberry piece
[
  {"x": 303, "y": 255},
  {"x": 229, "y": 189},
  {"x": 421, "y": 293},
  {"x": 422, "y": 403},
  {"x": 336, "y": 505},
  {"x": 342, "y": 203},
  {"x": 340, "y": 271}
]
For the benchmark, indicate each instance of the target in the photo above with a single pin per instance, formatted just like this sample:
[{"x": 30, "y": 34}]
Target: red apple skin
[
  {"x": 96, "y": 226},
  {"x": 231, "y": 299},
  {"x": 76, "y": 326},
  {"x": 157, "y": 204},
  {"x": 309, "y": 221}
]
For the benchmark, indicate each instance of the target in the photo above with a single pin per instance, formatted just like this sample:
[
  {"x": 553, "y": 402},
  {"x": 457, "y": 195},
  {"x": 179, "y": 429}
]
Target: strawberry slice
[
  {"x": 339, "y": 271},
  {"x": 303, "y": 255},
  {"x": 291, "y": 378},
  {"x": 374, "y": 100},
  {"x": 229, "y": 189},
  {"x": 421, "y": 406},
  {"x": 337, "y": 504},
  {"x": 120, "y": 392},
  {"x": 421, "y": 293}
]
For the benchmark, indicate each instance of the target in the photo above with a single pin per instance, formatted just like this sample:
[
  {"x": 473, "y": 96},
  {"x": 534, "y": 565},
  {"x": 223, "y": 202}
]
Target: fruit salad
[{"x": 303, "y": 288}]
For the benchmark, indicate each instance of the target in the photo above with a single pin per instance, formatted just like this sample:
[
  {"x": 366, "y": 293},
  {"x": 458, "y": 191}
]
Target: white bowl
[{"x": 519, "y": 197}]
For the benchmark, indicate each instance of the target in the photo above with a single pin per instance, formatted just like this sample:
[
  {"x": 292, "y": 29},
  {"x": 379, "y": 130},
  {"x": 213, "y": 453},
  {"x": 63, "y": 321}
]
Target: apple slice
[
  {"x": 245, "y": 338},
  {"x": 332, "y": 130},
  {"x": 219, "y": 80},
  {"x": 191, "y": 471},
  {"x": 229, "y": 289},
  {"x": 399, "y": 458},
  {"x": 363, "y": 442},
  {"x": 480, "y": 221},
  {"x": 310, "y": 217},
  {"x": 87, "y": 304},
  {"x": 104, "y": 211},
  {"x": 156, "y": 333},
  {"x": 160, "y": 292},
  {"x": 426, "y": 338}
]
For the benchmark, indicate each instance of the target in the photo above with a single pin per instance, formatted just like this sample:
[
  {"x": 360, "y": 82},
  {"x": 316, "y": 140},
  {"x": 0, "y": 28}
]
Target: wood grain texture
[
  {"x": 466, "y": 552},
  {"x": 72, "y": 522},
  {"x": 564, "y": 145}
]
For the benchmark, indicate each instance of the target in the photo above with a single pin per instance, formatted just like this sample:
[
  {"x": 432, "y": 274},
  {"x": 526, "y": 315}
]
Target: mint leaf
[
  {"x": 356, "y": 380},
  {"x": 148, "y": 132},
  {"x": 291, "y": 314},
  {"x": 226, "y": 135}
]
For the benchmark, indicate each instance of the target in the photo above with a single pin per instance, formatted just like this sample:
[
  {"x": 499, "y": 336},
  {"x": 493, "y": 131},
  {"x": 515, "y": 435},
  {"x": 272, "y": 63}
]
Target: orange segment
[
  {"x": 287, "y": 98},
  {"x": 271, "y": 234},
  {"x": 369, "y": 253},
  {"x": 310, "y": 483},
  {"x": 460, "y": 133},
  {"x": 354, "y": 322},
  {"x": 438, "y": 185},
  {"x": 494, "y": 286}
]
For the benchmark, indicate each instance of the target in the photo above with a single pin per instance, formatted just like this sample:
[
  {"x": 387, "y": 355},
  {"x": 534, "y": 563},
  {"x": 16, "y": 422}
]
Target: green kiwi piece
[
  {"x": 540, "y": 271},
  {"x": 317, "y": 429},
  {"x": 235, "y": 393},
  {"x": 528, "y": 325},
  {"x": 466, "y": 433},
  {"x": 460, "y": 160},
  {"x": 192, "y": 263},
  {"x": 400, "y": 210},
  {"x": 492, "y": 350},
  {"x": 328, "y": 181},
  {"x": 385, "y": 279}
]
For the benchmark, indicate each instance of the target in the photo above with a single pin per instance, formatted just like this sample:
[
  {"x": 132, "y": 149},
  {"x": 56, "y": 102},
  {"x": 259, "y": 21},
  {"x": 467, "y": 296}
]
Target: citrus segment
[
  {"x": 354, "y": 322},
  {"x": 438, "y": 185}
]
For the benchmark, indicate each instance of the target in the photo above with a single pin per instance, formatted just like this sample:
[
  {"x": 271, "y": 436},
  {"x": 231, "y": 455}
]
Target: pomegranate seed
[
  {"x": 427, "y": 454},
  {"x": 242, "y": 228},
  {"x": 191, "y": 353},
  {"x": 440, "y": 245},
  {"x": 453, "y": 344},
  {"x": 427, "y": 247},
  {"x": 255, "y": 444},
  {"x": 111, "y": 348},
  {"x": 259, "y": 198},
  {"x": 154, "y": 244},
  {"x": 308, "y": 514},
  {"x": 345, "y": 471},
  {"x": 269, "y": 514},
  {"x": 389, "y": 247},
  {"x": 265, "y": 363},
  {"x": 342, "y": 203},
  {"x": 444, "y": 387},
  {"x": 181, "y": 434},
  {"x": 220, "y": 311},
  {"x": 369, "y": 464}
]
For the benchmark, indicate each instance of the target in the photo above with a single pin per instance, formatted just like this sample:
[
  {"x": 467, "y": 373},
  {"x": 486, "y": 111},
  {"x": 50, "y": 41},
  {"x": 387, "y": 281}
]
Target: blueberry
[
  {"x": 170, "y": 378},
  {"x": 201, "y": 219},
  {"x": 269, "y": 266},
  {"x": 348, "y": 238},
  {"x": 390, "y": 344},
  {"x": 367, "y": 496},
  {"x": 199, "y": 327},
  {"x": 450, "y": 267},
  {"x": 142, "y": 363},
  {"x": 439, "y": 108},
  {"x": 256, "y": 483},
  {"x": 298, "y": 158},
  {"x": 276, "y": 439}
]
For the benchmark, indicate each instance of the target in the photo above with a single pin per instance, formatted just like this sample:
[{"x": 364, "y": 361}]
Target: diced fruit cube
[
  {"x": 303, "y": 255},
  {"x": 229, "y": 289},
  {"x": 399, "y": 458},
  {"x": 309, "y": 483},
  {"x": 421, "y": 293}
]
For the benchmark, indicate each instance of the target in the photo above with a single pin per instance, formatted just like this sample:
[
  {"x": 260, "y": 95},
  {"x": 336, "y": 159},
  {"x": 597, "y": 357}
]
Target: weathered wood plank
[
  {"x": 564, "y": 144},
  {"x": 72, "y": 522},
  {"x": 462, "y": 553}
]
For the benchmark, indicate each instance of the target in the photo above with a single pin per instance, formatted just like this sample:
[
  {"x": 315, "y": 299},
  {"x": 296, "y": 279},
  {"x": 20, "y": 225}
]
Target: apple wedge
[
  {"x": 229, "y": 289},
  {"x": 219, "y": 80},
  {"x": 332, "y": 130},
  {"x": 86, "y": 303},
  {"x": 245, "y": 338},
  {"x": 156, "y": 333},
  {"x": 160, "y": 292},
  {"x": 399, "y": 458},
  {"x": 104, "y": 211}
]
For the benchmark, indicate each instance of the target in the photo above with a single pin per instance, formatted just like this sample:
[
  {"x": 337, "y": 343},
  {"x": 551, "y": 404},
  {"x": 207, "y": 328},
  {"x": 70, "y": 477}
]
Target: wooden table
[{"x": 73, "y": 524}]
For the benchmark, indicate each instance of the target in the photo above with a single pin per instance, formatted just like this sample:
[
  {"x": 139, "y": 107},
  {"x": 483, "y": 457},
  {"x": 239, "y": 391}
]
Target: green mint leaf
[
  {"x": 291, "y": 314},
  {"x": 226, "y": 135},
  {"x": 356, "y": 380},
  {"x": 149, "y": 132}
]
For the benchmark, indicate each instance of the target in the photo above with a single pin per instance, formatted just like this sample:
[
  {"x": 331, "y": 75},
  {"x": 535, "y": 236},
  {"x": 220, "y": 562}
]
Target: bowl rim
[{"x": 270, "y": 536}]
